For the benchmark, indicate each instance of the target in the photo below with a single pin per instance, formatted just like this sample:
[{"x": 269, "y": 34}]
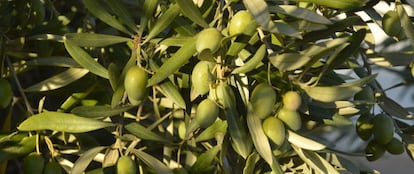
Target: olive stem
[{"x": 19, "y": 87}]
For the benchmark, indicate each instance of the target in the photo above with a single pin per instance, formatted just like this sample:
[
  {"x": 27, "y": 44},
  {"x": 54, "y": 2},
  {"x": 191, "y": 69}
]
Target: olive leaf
[
  {"x": 85, "y": 159},
  {"x": 99, "y": 111},
  {"x": 190, "y": 10},
  {"x": 94, "y": 40},
  {"x": 59, "y": 80}
]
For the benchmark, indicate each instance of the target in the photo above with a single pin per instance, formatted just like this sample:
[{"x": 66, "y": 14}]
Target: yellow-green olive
[
  {"x": 136, "y": 80},
  {"x": 275, "y": 130},
  {"x": 263, "y": 99},
  {"x": 383, "y": 130},
  {"x": 292, "y": 100},
  {"x": 202, "y": 76},
  {"x": 242, "y": 23},
  {"x": 208, "y": 39},
  {"x": 391, "y": 23},
  {"x": 364, "y": 126},
  {"x": 206, "y": 114},
  {"x": 125, "y": 165},
  {"x": 290, "y": 118},
  {"x": 6, "y": 93},
  {"x": 374, "y": 151},
  {"x": 395, "y": 146}
]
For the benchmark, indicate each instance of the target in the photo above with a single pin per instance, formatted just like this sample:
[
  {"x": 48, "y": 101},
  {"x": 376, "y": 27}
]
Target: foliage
[{"x": 75, "y": 105}]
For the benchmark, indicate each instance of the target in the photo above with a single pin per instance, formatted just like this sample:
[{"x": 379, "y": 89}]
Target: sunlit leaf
[
  {"x": 289, "y": 61},
  {"x": 189, "y": 9},
  {"x": 315, "y": 161},
  {"x": 152, "y": 162},
  {"x": 63, "y": 122},
  {"x": 144, "y": 133},
  {"x": 85, "y": 159},
  {"x": 303, "y": 142},
  {"x": 218, "y": 127},
  {"x": 301, "y": 13},
  {"x": 330, "y": 93},
  {"x": 406, "y": 23},
  {"x": 98, "y": 10},
  {"x": 85, "y": 60},
  {"x": 14, "y": 150},
  {"x": 60, "y": 80},
  {"x": 163, "y": 21},
  {"x": 99, "y": 111},
  {"x": 342, "y": 5},
  {"x": 94, "y": 40}
]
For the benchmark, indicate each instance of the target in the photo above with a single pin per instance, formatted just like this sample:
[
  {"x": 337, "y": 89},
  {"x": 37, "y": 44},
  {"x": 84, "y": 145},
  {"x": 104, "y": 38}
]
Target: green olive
[
  {"x": 395, "y": 146},
  {"x": 263, "y": 99},
  {"x": 202, "y": 77},
  {"x": 52, "y": 167},
  {"x": 33, "y": 164},
  {"x": 367, "y": 94},
  {"x": 206, "y": 114},
  {"x": 364, "y": 126},
  {"x": 126, "y": 165},
  {"x": 136, "y": 80},
  {"x": 6, "y": 93},
  {"x": 383, "y": 130},
  {"x": 208, "y": 39},
  {"x": 391, "y": 23},
  {"x": 374, "y": 151},
  {"x": 275, "y": 130},
  {"x": 242, "y": 23},
  {"x": 292, "y": 100},
  {"x": 290, "y": 118}
]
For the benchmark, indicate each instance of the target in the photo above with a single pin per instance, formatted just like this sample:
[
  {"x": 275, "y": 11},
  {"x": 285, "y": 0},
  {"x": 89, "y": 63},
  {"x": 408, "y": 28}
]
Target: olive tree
[{"x": 228, "y": 86}]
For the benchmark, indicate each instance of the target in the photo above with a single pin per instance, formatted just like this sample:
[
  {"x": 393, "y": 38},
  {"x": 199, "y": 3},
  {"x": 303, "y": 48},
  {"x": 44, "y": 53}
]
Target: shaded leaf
[
  {"x": 289, "y": 61},
  {"x": 119, "y": 9},
  {"x": 315, "y": 161},
  {"x": 85, "y": 159},
  {"x": 393, "y": 108},
  {"x": 57, "y": 61},
  {"x": 144, "y": 133},
  {"x": 63, "y": 122},
  {"x": 60, "y": 80},
  {"x": 85, "y": 60},
  {"x": 100, "y": 111},
  {"x": 14, "y": 150},
  {"x": 203, "y": 163},
  {"x": 152, "y": 162},
  {"x": 253, "y": 62},
  {"x": 338, "y": 120},
  {"x": 148, "y": 8},
  {"x": 330, "y": 93},
  {"x": 406, "y": 23},
  {"x": 190, "y": 10},
  {"x": 342, "y": 5},
  {"x": 98, "y": 10},
  {"x": 94, "y": 40}
]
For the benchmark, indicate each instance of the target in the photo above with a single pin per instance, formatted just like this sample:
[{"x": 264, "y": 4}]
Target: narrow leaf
[
  {"x": 59, "y": 80},
  {"x": 144, "y": 133},
  {"x": 85, "y": 159},
  {"x": 174, "y": 63},
  {"x": 330, "y": 93},
  {"x": 122, "y": 13},
  {"x": 203, "y": 163},
  {"x": 315, "y": 161},
  {"x": 85, "y": 60},
  {"x": 172, "y": 93},
  {"x": 98, "y": 10},
  {"x": 152, "y": 162},
  {"x": 253, "y": 62},
  {"x": 163, "y": 21},
  {"x": 190, "y": 10},
  {"x": 99, "y": 111},
  {"x": 341, "y": 5},
  {"x": 57, "y": 61},
  {"x": 259, "y": 138},
  {"x": 94, "y": 40},
  {"x": 301, "y": 13},
  {"x": 406, "y": 23},
  {"x": 393, "y": 108},
  {"x": 303, "y": 142},
  {"x": 289, "y": 61},
  {"x": 63, "y": 122},
  {"x": 218, "y": 127},
  {"x": 14, "y": 150}
]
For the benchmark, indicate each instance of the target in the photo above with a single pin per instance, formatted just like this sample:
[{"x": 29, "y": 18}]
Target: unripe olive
[
  {"x": 292, "y": 100},
  {"x": 383, "y": 130},
  {"x": 201, "y": 76},
  {"x": 263, "y": 98},
  {"x": 366, "y": 94},
  {"x": 52, "y": 168},
  {"x": 208, "y": 39},
  {"x": 374, "y": 151},
  {"x": 275, "y": 130},
  {"x": 391, "y": 23},
  {"x": 136, "y": 80},
  {"x": 126, "y": 165},
  {"x": 290, "y": 118},
  {"x": 395, "y": 146},
  {"x": 206, "y": 114},
  {"x": 33, "y": 164},
  {"x": 5, "y": 93},
  {"x": 242, "y": 23},
  {"x": 364, "y": 126}
]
